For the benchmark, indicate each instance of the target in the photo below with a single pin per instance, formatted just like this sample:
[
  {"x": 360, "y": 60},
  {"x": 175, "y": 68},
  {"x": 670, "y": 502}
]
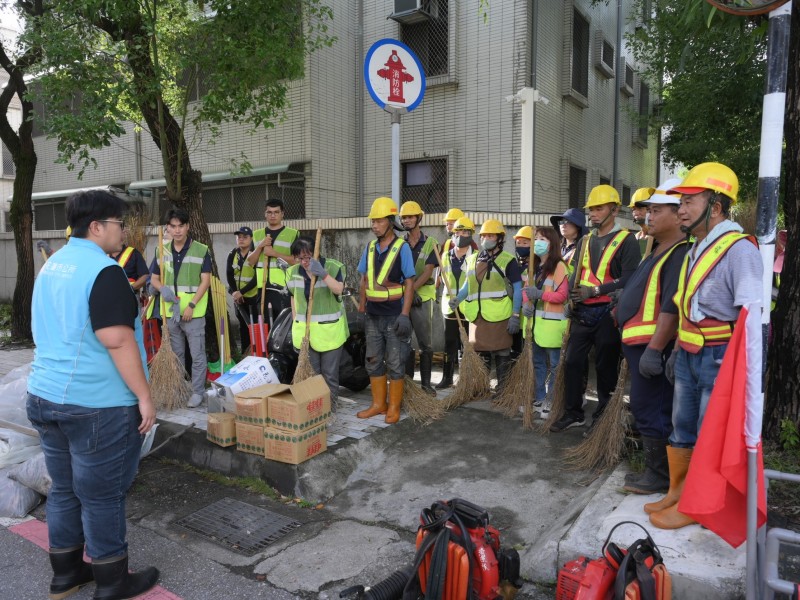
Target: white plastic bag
[
  {"x": 16, "y": 447},
  {"x": 16, "y": 500},
  {"x": 13, "y": 397},
  {"x": 33, "y": 474}
]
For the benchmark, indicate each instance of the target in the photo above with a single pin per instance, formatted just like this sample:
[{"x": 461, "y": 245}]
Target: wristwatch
[
  {"x": 596, "y": 291},
  {"x": 192, "y": 305}
]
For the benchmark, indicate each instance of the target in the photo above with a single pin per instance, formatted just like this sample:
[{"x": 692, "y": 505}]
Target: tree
[
  {"x": 18, "y": 63},
  {"x": 110, "y": 61}
]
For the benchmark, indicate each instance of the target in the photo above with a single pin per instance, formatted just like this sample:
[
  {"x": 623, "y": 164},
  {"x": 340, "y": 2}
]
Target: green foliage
[
  {"x": 710, "y": 68},
  {"x": 790, "y": 436},
  {"x": 5, "y": 317}
]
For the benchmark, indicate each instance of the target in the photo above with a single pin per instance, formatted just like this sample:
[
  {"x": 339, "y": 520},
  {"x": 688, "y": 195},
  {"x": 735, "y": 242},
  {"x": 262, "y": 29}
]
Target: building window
[
  {"x": 605, "y": 181},
  {"x": 7, "y": 221},
  {"x": 430, "y": 39},
  {"x": 640, "y": 130},
  {"x": 49, "y": 216},
  {"x": 627, "y": 87},
  {"x": 603, "y": 55},
  {"x": 577, "y": 187},
  {"x": 580, "y": 53},
  {"x": 9, "y": 168},
  {"x": 626, "y": 195},
  {"x": 425, "y": 182}
]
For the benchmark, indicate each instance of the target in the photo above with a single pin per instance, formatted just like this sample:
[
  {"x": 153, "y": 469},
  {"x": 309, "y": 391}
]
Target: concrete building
[{"x": 464, "y": 146}]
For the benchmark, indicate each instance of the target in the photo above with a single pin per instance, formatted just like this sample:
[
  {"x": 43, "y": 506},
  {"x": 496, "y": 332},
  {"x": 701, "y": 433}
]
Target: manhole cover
[{"x": 241, "y": 527}]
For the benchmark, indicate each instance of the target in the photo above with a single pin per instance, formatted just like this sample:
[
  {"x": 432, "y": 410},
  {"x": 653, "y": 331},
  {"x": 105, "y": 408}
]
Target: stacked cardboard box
[
  {"x": 221, "y": 429},
  {"x": 251, "y": 417}
]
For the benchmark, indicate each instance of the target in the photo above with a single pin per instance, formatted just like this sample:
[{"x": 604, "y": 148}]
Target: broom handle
[
  {"x": 444, "y": 280},
  {"x": 44, "y": 254},
  {"x": 648, "y": 248},
  {"x": 529, "y": 325},
  {"x": 161, "y": 305},
  {"x": 313, "y": 283}
]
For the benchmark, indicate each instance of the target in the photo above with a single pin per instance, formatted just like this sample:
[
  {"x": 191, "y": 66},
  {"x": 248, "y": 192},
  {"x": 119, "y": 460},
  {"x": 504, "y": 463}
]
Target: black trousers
[
  {"x": 651, "y": 399},
  {"x": 452, "y": 339},
  {"x": 605, "y": 338}
]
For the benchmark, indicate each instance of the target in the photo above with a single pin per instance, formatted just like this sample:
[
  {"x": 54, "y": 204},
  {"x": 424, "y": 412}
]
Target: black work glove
[
  {"x": 669, "y": 368},
  {"x": 417, "y": 301},
  {"x": 402, "y": 326},
  {"x": 569, "y": 313},
  {"x": 513, "y": 324},
  {"x": 650, "y": 363},
  {"x": 583, "y": 292}
]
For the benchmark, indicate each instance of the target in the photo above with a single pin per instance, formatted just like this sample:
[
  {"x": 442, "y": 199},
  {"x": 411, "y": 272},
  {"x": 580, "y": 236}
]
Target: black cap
[{"x": 244, "y": 230}]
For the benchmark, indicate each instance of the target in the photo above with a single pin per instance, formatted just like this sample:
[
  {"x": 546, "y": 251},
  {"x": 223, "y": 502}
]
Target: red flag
[{"x": 715, "y": 492}]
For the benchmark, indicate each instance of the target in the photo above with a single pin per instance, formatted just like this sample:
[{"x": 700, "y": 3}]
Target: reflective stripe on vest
[
  {"x": 427, "y": 291},
  {"x": 188, "y": 278},
  {"x": 244, "y": 274},
  {"x": 328, "y": 329},
  {"x": 378, "y": 288},
  {"x": 640, "y": 328},
  {"x": 549, "y": 323},
  {"x": 452, "y": 284},
  {"x": 282, "y": 245},
  {"x": 123, "y": 260},
  {"x": 708, "y": 332},
  {"x": 603, "y": 275},
  {"x": 489, "y": 297}
]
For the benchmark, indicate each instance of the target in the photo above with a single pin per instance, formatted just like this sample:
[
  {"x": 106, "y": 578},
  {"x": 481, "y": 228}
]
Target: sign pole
[{"x": 397, "y": 114}]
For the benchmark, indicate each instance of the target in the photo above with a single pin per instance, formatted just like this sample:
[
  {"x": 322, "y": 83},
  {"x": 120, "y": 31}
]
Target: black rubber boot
[
  {"x": 425, "y": 369},
  {"x": 655, "y": 478},
  {"x": 70, "y": 572},
  {"x": 502, "y": 367},
  {"x": 447, "y": 373},
  {"x": 410, "y": 364},
  {"x": 115, "y": 583}
]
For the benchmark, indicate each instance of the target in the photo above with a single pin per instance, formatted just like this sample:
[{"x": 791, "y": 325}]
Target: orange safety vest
[
  {"x": 642, "y": 326},
  {"x": 379, "y": 289},
  {"x": 692, "y": 336},
  {"x": 603, "y": 275},
  {"x": 124, "y": 258}
]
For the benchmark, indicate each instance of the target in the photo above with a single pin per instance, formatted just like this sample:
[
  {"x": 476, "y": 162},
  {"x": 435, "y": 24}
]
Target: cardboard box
[
  {"x": 250, "y": 372},
  {"x": 221, "y": 429},
  {"x": 250, "y": 438},
  {"x": 251, "y": 407},
  {"x": 301, "y": 406},
  {"x": 294, "y": 447}
]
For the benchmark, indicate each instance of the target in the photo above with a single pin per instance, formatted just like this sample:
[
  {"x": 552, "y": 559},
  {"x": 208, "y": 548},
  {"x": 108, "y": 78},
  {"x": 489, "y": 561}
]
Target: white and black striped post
[{"x": 769, "y": 178}]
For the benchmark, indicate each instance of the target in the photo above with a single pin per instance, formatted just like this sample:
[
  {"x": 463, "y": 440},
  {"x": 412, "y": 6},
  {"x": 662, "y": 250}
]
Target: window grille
[
  {"x": 9, "y": 168},
  {"x": 605, "y": 181},
  {"x": 425, "y": 182},
  {"x": 626, "y": 195},
  {"x": 580, "y": 53},
  {"x": 577, "y": 187},
  {"x": 430, "y": 39},
  {"x": 640, "y": 127},
  {"x": 628, "y": 86}
]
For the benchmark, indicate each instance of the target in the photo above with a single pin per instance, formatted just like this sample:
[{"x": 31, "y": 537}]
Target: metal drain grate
[{"x": 241, "y": 527}]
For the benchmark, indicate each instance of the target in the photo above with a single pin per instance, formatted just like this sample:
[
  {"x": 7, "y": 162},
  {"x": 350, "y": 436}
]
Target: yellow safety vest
[
  {"x": 550, "y": 323},
  {"x": 427, "y": 291},
  {"x": 244, "y": 274},
  {"x": 488, "y": 298},
  {"x": 378, "y": 288},
  {"x": 708, "y": 332},
  {"x": 282, "y": 245},
  {"x": 329, "y": 329},
  {"x": 640, "y": 328},
  {"x": 453, "y": 285},
  {"x": 603, "y": 275},
  {"x": 123, "y": 259},
  {"x": 188, "y": 278}
]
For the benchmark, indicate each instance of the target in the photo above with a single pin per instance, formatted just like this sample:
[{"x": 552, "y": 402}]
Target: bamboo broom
[
  {"x": 606, "y": 442},
  {"x": 520, "y": 383},
  {"x": 168, "y": 384},
  {"x": 304, "y": 369},
  {"x": 473, "y": 375},
  {"x": 559, "y": 400}
]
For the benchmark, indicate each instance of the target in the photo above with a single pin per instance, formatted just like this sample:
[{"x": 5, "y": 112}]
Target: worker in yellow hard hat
[
  {"x": 639, "y": 213},
  {"x": 610, "y": 257},
  {"x": 454, "y": 273},
  {"x": 720, "y": 275},
  {"x": 385, "y": 297},
  {"x": 484, "y": 298},
  {"x": 424, "y": 251},
  {"x": 453, "y": 215}
]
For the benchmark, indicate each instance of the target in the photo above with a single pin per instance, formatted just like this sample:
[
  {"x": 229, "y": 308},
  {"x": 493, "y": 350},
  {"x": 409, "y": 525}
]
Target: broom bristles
[
  {"x": 559, "y": 403},
  {"x": 168, "y": 384},
  {"x": 604, "y": 446},
  {"x": 473, "y": 377},
  {"x": 420, "y": 405},
  {"x": 304, "y": 369},
  {"x": 516, "y": 391}
]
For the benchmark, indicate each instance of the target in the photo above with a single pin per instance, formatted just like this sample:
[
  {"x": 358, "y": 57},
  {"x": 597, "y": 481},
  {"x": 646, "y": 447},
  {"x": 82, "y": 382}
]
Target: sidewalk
[{"x": 375, "y": 479}]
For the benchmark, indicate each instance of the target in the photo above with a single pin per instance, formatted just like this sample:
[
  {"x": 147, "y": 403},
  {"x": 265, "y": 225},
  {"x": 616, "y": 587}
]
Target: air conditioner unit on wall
[{"x": 408, "y": 12}]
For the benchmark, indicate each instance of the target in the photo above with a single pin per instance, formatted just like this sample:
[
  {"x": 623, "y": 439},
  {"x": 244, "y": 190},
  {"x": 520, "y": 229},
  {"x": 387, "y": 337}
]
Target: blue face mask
[
  {"x": 523, "y": 252},
  {"x": 540, "y": 247}
]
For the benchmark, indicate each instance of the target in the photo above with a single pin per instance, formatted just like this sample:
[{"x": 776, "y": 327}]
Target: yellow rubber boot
[
  {"x": 395, "y": 400},
  {"x": 378, "y": 386},
  {"x": 670, "y": 518},
  {"x": 678, "y": 466}
]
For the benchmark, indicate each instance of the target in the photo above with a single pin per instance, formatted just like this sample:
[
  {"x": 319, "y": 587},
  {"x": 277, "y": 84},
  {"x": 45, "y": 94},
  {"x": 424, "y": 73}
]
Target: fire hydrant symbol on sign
[{"x": 397, "y": 75}]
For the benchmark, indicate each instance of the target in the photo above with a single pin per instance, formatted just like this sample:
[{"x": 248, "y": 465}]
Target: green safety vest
[
  {"x": 453, "y": 285},
  {"x": 188, "y": 278},
  {"x": 488, "y": 298},
  {"x": 427, "y": 291},
  {"x": 282, "y": 245},
  {"x": 379, "y": 288},
  {"x": 244, "y": 274},
  {"x": 329, "y": 329}
]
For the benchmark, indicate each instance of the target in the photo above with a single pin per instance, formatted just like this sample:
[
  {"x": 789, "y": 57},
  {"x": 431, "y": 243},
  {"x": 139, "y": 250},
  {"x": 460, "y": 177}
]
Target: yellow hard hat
[
  {"x": 602, "y": 194},
  {"x": 641, "y": 195},
  {"x": 454, "y": 214},
  {"x": 710, "y": 176},
  {"x": 492, "y": 226},
  {"x": 411, "y": 209},
  {"x": 524, "y": 232},
  {"x": 464, "y": 224},
  {"x": 68, "y": 232},
  {"x": 382, "y": 208}
]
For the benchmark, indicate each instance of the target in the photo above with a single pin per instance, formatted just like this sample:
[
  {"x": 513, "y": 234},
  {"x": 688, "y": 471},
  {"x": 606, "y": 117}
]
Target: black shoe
[
  {"x": 444, "y": 384},
  {"x": 656, "y": 474},
  {"x": 115, "y": 583},
  {"x": 566, "y": 422},
  {"x": 631, "y": 478},
  {"x": 70, "y": 572}
]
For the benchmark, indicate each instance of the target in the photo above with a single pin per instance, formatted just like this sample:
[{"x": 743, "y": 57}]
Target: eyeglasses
[{"x": 120, "y": 223}]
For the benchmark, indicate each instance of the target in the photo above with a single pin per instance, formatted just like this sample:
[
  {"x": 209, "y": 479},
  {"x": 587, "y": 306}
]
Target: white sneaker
[
  {"x": 195, "y": 401},
  {"x": 544, "y": 414}
]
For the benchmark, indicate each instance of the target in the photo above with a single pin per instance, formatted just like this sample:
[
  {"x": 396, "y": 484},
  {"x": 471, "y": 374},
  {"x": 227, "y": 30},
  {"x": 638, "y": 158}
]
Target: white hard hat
[{"x": 660, "y": 196}]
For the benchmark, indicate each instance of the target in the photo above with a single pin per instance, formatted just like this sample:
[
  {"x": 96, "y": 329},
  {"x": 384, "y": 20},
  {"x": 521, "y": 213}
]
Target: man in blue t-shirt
[{"x": 386, "y": 294}]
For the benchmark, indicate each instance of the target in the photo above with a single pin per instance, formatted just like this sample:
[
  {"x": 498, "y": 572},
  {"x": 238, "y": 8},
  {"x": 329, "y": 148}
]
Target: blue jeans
[
  {"x": 92, "y": 455},
  {"x": 695, "y": 375},
  {"x": 386, "y": 353},
  {"x": 545, "y": 363}
]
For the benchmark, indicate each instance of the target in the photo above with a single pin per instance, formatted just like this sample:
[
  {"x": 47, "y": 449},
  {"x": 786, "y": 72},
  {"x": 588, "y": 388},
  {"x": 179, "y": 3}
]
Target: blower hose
[{"x": 390, "y": 588}]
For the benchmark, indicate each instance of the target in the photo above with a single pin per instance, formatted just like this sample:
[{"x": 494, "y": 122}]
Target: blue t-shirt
[{"x": 401, "y": 270}]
